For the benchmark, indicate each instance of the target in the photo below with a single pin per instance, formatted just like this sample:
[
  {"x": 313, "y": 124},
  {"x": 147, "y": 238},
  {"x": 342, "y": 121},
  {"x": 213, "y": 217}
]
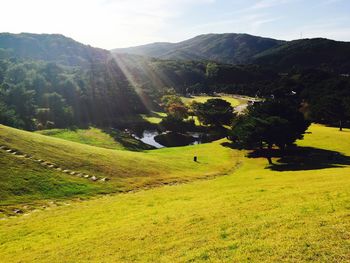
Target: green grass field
[
  {"x": 154, "y": 117},
  {"x": 92, "y": 136},
  {"x": 234, "y": 102},
  {"x": 20, "y": 178},
  {"x": 253, "y": 214},
  {"x": 113, "y": 139}
]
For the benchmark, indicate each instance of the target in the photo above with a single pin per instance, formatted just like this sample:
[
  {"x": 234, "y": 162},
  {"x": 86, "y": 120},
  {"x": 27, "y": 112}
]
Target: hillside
[
  {"x": 308, "y": 53},
  {"x": 225, "y": 48},
  {"x": 49, "y": 48},
  {"x": 25, "y": 180},
  {"x": 254, "y": 214},
  {"x": 51, "y": 81}
]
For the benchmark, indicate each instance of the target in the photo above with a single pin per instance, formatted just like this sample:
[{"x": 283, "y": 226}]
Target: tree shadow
[
  {"x": 300, "y": 158},
  {"x": 303, "y": 158}
]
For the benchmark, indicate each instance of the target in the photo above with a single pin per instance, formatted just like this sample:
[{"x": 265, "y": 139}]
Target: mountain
[
  {"x": 50, "y": 48},
  {"x": 308, "y": 53},
  {"x": 53, "y": 81},
  {"x": 225, "y": 48}
]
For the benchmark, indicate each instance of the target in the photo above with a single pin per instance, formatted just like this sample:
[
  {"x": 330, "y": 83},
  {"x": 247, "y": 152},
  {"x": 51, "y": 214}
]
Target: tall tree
[
  {"x": 269, "y": 123},
  {"x": 214, "y": 112}
]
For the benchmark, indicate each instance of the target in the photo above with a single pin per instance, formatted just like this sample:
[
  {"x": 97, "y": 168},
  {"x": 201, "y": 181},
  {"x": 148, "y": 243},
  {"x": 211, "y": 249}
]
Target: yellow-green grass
[
  {"x": 23, "y": 181},
  {"x": 113, "y": 139},
  {"x": 127, "y": 170},
  {"x": 154, "y": 117},
  {"x": 91, "y": 136},
  {"x": 252, "y": 215},
  {"x": 234, "y": 102}
]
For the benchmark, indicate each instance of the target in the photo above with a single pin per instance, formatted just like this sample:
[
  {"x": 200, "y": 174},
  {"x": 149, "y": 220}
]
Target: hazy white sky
[{"x": 121, "y": 23}]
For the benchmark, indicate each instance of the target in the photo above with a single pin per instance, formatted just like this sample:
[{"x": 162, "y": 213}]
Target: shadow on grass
[{"x": 300, "y": 158}]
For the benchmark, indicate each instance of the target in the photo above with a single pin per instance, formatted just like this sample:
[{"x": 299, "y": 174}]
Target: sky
[{"x": 122, "y": 23}]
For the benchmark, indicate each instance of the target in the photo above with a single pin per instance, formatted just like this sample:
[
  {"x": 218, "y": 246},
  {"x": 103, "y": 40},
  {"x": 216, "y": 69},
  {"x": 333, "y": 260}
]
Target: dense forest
[{"x": 53, "y": 81}]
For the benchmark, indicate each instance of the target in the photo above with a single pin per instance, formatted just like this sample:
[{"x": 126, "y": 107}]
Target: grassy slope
[
  {"x": 23, "y": 181},
  {"x": 20, "y": 179},
  {"x": 154, "y": 117},
  {"x": 92, "y": 136},
  {"x": 97, "y": 137},
  {"x": 253, "y": 215}
]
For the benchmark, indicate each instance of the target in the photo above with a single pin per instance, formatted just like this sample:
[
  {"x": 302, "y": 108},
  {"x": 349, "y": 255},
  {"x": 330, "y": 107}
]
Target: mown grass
[
  {"x": 127, "y": 170},
  {"x": 254, "y": 214},
  {"x": 234, "y": 102},
  {"x": 110, "y": 139},
  {"x": 154, "y": 117},
  {"x": 24, "y": 181},
  {"x": 91, "y": 136}
]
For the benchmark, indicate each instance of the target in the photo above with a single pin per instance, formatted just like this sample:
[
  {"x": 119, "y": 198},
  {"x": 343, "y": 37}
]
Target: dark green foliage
[
  {"x": 96, "y": 88},
  {"x": 273, "y": 122},
  {"x": 171, "y": 123},
  {"x": 331, "y": 109},
  {"x": 308, "y": 53},
  {"x": 174, "y": 139},
  {"x": 214, "y": 112},
  {"x": 9, "y": 117},
  {"x": 40, "y": 88}
]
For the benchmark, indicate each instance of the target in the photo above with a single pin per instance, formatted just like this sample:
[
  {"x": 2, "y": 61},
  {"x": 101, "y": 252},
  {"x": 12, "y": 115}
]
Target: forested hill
[
  {"x": 51, "y": 48},
  {"x": 308, "y": 53},
  {"x": 53, "y": 81},
  {"x": 278, "y": 55},
  {"x": 224, "y": 48}
]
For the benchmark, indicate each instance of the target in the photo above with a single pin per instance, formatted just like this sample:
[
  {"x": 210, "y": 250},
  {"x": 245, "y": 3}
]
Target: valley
[{"x": 220, "y": 148}]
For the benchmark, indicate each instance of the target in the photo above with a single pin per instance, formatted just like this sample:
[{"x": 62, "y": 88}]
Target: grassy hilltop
[{"x": 255, "y": 214}]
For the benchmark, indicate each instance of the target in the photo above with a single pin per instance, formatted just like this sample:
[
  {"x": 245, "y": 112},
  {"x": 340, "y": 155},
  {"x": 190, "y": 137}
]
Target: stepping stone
[
  {"x": 59, "y": 169},
  {"x": 79, "y": 175},
  {"x": 104, "y": 179},
  {"x": 9, "y": 150},
  {"x": 66, "y": 171},
  {"x": 51, "y": 166},
  {"x": 18, "y": 211},
  {"x": 2, "y": 146},
  {"x": 72, "y": 173},
  {"x": 86, "y": 176},
  {"x": 93, "y": 178}
]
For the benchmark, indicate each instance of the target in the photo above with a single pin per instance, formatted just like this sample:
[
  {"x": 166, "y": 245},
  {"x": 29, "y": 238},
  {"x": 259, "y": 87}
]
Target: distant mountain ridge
[
  {"x": 50, "y": 48},
  {"x": 236, "y": 49},
  {"x": 308, "y": 53},
  {"x": 228, "y": 48}
]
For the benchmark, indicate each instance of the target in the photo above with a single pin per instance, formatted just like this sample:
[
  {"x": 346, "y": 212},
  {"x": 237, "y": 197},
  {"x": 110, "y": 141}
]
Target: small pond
[{"x": 147, "y": 137}]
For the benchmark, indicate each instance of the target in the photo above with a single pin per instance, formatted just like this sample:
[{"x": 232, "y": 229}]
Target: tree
[
  {"x": 168, "y": 100},
  {"x": 178, "y": 111},
  {"x": 330, "y": 109},
  {"x": 56, "y": 111},
  {"x": 269, "y": 123},
  {"x": 9, "y": 117},
  {"x": 214, "y": 112},
  {"x": 212, "y": 70}
]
